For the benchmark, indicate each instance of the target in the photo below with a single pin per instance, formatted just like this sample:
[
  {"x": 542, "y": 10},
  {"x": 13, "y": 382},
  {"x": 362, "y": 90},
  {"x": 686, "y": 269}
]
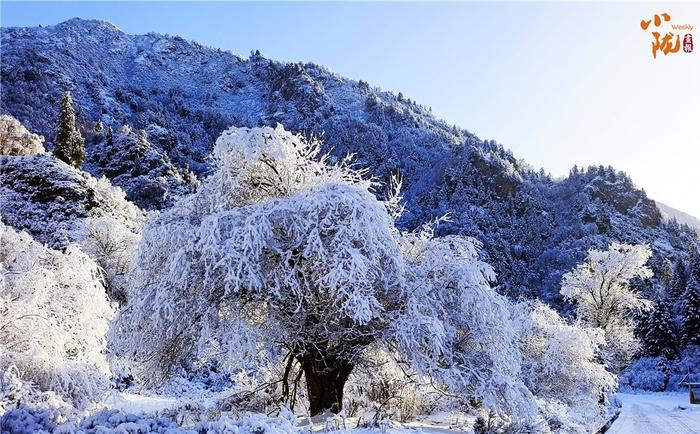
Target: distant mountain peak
[
  {"x": 669, "y": 213},
  {"x": 89, "y": 23}
]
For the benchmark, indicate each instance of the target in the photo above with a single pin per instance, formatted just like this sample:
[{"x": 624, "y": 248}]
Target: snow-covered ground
[
  {"x": 441, "y": 423},
  {"x": 656, "y": 413},
  {"x": 132, "y": 403}
]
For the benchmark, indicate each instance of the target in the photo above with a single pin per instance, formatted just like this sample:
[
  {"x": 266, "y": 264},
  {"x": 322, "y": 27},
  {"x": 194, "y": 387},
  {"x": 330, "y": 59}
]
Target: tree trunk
[{"x": 325, "y": 380}]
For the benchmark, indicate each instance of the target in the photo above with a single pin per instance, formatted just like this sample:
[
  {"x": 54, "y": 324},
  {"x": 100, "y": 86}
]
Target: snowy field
[
  {"x": 656, "y": 413},
  {"x": 440, "y": 423}
]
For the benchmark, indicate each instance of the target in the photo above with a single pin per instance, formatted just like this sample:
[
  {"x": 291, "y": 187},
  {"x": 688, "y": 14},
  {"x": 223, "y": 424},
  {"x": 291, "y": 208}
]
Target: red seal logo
[{"x": 688, "y": 43}]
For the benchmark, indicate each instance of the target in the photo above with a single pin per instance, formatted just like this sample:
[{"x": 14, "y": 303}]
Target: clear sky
[{"x": 558, "y": 83}]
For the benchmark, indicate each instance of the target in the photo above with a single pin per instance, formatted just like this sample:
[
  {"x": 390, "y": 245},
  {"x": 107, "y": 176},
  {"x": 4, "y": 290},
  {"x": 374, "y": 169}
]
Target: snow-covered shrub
[
  {"x": 54, "y": 317},
  {"x": 688, "y": 362},
  {"x": 15, "y": 391},
  {"x": 492, "y": 424},
  {"x": 647, "y": 373},
  {"x": 380, "y": 385},
  {"x": 26, "y": 419},
  {"x": 114, "y": 203},
  {"x": 15, "y": 139},
  {"x": 30, "y": 420},
  {"x": 111, "y": 244},
  {"x": 252, "y": 424},
  {"x": 258, "y": 389},
  {"x": 194, "y": 381},
  {"x": 604, "y": 297},
  {"x": 561, "y": 368},
  {"x": 282, "y": 252},
  {"x": 659, "y": 374}
]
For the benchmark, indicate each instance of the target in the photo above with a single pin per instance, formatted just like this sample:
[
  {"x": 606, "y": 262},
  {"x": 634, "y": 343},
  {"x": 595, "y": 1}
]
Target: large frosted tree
[
  {"x": 69, "y": 145},
  {"x": 282, "y": 251},
  {"x": 602, "y": 290}
]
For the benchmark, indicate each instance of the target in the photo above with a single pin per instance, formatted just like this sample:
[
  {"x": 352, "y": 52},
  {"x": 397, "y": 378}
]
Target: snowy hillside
[
  {"x": 183, "y": 95},
  {"x": 49, "y": 199},
  {"x": 680, "y": 216}
]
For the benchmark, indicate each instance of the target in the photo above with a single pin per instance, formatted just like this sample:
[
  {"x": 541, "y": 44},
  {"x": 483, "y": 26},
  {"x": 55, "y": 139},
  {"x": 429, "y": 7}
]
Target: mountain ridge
[{"x": 681, "y": 217}]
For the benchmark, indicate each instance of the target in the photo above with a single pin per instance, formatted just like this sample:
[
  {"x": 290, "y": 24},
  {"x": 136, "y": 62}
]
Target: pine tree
[
  {"x": 110, "y": 137},
  {"x": 70, "y": 145},
  {"x": 694, "y": 261},
  {"x": 143, "y": 138},
  {"x": 690, "y": 312},
  {"x": 665, "y": 272},
  {"x": 679, "y": 281},
  {"x": 660, "y": 337},
  {"x": 143, "y": 141}
]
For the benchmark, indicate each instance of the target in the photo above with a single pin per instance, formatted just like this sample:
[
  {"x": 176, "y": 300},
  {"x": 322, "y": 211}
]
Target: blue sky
[{"x": 558, "y": 83}]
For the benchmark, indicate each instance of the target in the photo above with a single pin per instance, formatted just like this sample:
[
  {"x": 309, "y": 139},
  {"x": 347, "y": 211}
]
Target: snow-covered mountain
[
  {"x": 183, "y": 95},
  {"x": 681, "y": 217}
]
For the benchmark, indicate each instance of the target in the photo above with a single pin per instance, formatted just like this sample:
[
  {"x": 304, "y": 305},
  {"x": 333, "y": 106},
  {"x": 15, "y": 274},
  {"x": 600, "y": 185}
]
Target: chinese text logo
[{"x": 670, "y": 42}]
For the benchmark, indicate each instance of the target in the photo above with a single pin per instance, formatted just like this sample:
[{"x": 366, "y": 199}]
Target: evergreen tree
[
  {"x": 660, "y": 337},
  {"x": 110, "y": 137},
  {"x": 679, "y": 280},
  {"x": 70, "y": 145},
  {"x": 694, "y": 261},
  {"x": 143, "y": 138},
  {"x": 143, "y": 141},
  {"x": 665, "y": 272},
  {"x": 691, "y": 313}
]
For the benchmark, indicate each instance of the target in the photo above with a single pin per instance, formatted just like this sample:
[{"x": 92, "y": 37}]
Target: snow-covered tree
[
  {"x": 110, "y": 236},
  {"x": 665, "y": 272},
  {"x": 280, "y": 250},
  {"x": 561, "y": 368},
  {"x": 690, "y": 313},
  {"x": 604, "y": 297},
  {"x": 679, "y": 280},
  {"x": 54, "y": 316},
  {"x": 15, "y": 139},
  {"x": 694, "y": 260},
  {"x": 111, "y": 244},
  {"x": 69, "y": 145},
  {"x": 660, "y": 336}
]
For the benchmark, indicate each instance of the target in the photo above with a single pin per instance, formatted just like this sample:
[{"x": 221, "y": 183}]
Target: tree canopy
[{"x": 602, "y": 288}]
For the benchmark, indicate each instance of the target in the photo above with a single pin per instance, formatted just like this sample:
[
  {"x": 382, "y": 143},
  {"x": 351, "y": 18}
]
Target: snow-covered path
[{"x": 656, "y": 413}]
